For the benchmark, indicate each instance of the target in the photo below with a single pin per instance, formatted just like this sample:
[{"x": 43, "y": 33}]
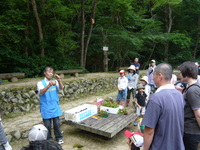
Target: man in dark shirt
[
  {"x": 191, "y": 137},
  {"x": 136, "y": 64},
  {"x": 164, "y": 117}
]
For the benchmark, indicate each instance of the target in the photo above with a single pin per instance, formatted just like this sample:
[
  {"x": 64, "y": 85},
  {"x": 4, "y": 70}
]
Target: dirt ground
[{"x": 89, "y": 141}]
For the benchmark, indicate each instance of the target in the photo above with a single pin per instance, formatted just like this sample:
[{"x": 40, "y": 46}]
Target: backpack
[{"x": 43, "y": 145}]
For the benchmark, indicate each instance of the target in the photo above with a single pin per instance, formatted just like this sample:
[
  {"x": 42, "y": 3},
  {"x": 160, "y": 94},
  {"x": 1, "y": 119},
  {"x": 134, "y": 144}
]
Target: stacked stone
[{"x": 20, "y": 99}]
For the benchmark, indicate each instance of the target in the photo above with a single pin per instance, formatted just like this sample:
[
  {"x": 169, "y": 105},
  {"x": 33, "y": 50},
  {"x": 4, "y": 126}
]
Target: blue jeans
[
  {"x": 56, "y": 127},
  {"x": 2, "y": 147},
  {"x": 122, "y": 95},
  {"x": 191, "y": 141}
]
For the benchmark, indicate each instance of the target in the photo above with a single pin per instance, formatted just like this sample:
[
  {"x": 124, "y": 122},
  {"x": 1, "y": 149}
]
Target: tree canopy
[{"x": 70, "y": 34}]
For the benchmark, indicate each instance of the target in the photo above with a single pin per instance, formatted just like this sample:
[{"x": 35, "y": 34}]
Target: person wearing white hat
[
  {"x": 150, "y": 75},
  {"x": 144, "y": 81},
  {"x": 38, "y": 139},
  {"x": 132, "y": 83},
  {"x": 122, "y": 88}
]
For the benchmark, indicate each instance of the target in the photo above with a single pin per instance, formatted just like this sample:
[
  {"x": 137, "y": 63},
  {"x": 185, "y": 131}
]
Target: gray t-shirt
[
  {"x": 165, "y": 113},
  {"x": 192, "y": 99}
]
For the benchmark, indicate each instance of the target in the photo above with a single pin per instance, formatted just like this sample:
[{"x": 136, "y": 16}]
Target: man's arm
[
  {"x": 197, "y": 115},
  {"x": 59, "y": 82},
  {"x": 148, "y": 137},
  {"x": 42, "y": 91}
]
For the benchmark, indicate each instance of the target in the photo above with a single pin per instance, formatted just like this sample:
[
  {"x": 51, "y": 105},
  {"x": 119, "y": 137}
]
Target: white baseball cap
[
  {"x": 38, "y": 133},
  {"x": 122, "y": 71}
]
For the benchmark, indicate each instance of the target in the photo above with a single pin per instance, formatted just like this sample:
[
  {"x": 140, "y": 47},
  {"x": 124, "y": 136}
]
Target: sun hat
[
  {"x": 145, "y": 78},
  {"x": 38, "y": 133},
  {"x": 132, "y": 67},
  {"x": 122, "y": 71},
  {"x": 135, "y": 137},
  {"x": 153, "y": 61},
  {"x": 140, "y": 86}
]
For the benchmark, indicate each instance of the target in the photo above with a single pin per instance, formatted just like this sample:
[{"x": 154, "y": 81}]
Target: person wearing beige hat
[
  {"x": 144, "y": 82},
  {"x": 140, "y": 100},
  {"x": 132, "y": 83}
]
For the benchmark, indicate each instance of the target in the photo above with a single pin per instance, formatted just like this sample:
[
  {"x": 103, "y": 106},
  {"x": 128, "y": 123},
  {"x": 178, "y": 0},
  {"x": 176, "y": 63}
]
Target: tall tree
[
  {"x": 39, "y": 24},
  {"x": 84, "y": 45}
]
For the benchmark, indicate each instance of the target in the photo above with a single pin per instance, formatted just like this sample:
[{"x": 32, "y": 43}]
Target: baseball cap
[
  {"x": 153, "y": 61},
  {"x": 38, "y": 133},
  {"x": 122, "y": 71},
  {"x": 136, "y": 136}
]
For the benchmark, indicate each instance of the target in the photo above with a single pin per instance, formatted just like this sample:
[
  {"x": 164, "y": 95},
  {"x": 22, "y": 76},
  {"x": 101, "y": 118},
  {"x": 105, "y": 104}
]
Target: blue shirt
[
  {"x": 165, "y": 113},
  {"x": 136, "y": 65}
]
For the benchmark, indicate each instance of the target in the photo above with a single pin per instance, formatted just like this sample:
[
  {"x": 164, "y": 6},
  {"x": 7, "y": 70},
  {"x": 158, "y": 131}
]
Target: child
[
  {"x": 147, "y": 88},
  {"x": 140, "y": 101},
  {"x": 122, "y": 88},
  {"x": 132, "y": 83}
]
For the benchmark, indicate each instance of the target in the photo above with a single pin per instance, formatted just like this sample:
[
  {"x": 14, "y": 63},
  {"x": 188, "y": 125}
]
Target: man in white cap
[
  {"x": 132, "y": 83},
  {"x": 150, "y": 75},
  {"x": 122, "y": 88}
]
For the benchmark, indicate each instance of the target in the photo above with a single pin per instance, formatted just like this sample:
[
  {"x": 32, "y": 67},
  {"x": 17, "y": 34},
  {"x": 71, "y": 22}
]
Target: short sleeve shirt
[
  {"x": 192, "y": 99},
  {"x": 141, "y": 98},
  {"x": 136, "y": 65},
  {"x": 165, "y": 113}
]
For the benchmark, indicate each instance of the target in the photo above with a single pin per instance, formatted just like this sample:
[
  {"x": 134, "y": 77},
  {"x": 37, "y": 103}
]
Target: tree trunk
[
  {"x": 90, "y": 29},
  {"x": 197, "y": 41},
  {"x": 39, "y": 26},
  {"x": 169, "y": 21},
  {"x": 83, "y": 32},
  {"x": 26, "y": 32}
]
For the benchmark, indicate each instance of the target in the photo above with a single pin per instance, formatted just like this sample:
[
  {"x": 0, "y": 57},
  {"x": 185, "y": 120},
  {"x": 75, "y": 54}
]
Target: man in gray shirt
[
  {"x": 191, "y": 137},
  {"x": 164, "y": 117}
]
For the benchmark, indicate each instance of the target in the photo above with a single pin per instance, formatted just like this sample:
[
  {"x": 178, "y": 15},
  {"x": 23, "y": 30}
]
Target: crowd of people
[{"x": 170, "y": 109}]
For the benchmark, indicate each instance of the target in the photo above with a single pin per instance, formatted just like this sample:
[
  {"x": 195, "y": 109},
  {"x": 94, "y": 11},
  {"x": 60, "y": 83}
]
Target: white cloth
[
  {"x": 7, "y": 146},
  {"x": 133, "y": 81},
  {"x": 122, "y": 83},
  {"x": 140, "y": 111},
  {"x": 198, "y": 79},
  {"x": 147, "y": 90},
  {"x": 40, "y": 86},
  {"x": 167, "y": 86},
  {"x": 173, "y": 79}
]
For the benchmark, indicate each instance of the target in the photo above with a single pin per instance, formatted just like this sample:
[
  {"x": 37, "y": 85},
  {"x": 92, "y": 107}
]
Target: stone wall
[{"x": 25, "y": 99}]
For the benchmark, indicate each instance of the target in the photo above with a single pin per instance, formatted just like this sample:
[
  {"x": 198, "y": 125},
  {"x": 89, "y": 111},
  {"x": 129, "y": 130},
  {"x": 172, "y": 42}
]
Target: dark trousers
[
  {"x": 191, "y": 141},
  {"x": 133, "y": 91},
  {"x": 56, "y": 127},
  {"x": 2, "y": 147}
]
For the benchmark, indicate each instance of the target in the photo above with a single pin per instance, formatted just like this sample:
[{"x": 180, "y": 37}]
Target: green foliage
[
  {"x": 122, "y": 111},
  {"x": 130, "y": 28},
  {"x": 110, "y": 103}
]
